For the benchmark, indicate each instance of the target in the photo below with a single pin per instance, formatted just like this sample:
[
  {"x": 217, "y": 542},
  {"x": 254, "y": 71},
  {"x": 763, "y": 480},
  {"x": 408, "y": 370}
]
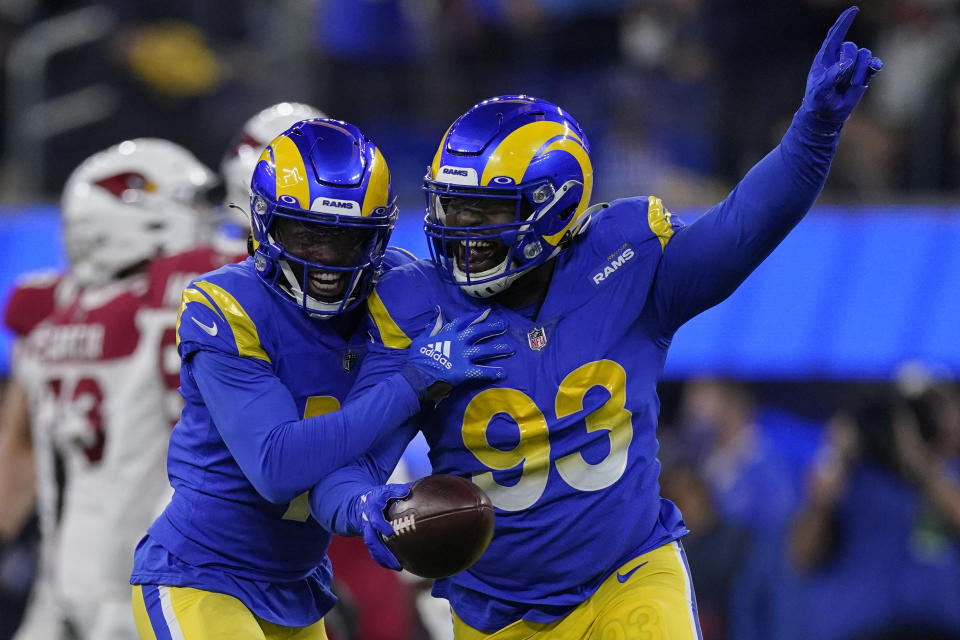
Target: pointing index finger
[{"x": 837, "y": 33}]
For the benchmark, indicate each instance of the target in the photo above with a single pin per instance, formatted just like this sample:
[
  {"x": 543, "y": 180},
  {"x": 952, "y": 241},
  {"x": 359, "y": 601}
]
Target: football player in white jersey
[
  {"x": 158, "y": 281},
  {"x": 93, "y": 388}
]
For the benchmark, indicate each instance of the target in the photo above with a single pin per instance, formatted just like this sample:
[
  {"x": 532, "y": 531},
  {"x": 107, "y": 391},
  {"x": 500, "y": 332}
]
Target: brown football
[{"x": 442, "y": 527}]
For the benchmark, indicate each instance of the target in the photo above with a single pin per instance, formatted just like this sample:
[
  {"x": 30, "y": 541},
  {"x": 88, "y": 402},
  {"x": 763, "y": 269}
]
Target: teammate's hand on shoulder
[
  {"x": 460, "y": 350},
  {"x": 374, "y": 524},
  {"x": 840, "y": 73}
]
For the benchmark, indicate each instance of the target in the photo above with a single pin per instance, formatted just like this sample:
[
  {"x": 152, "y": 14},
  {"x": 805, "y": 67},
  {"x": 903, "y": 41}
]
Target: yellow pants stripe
[
  {"x": 688, "y": 588},
  {"x": 184, "y": 613}
]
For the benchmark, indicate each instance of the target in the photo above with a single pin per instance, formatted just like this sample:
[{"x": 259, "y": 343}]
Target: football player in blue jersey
[
  {"x": 584, "y": 546},
  {"x": 270, "y": 348}
]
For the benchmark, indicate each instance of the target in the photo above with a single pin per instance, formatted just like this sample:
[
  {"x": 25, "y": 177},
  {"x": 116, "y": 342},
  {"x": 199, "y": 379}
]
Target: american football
[{"x": 441, "y": 527}]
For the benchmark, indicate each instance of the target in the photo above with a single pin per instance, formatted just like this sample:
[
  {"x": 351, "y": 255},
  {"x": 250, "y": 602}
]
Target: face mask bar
[
  {"x": 320, "y": 243},
  {"x": 296, "y": 274},
  {"x": 444, "y": 240},
  {"x": 524, "y": 247},
  {"x": 291, "y": 273}
]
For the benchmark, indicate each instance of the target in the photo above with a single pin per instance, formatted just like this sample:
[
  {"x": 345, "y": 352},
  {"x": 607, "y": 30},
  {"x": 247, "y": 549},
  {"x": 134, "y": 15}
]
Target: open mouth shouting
[
  {"x": 327, "y": 286},
  {"x": 483, "y": 255}
]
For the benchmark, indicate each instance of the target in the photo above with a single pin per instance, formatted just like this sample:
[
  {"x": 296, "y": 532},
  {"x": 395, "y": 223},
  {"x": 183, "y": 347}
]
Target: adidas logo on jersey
[
  {"x": 439, "y": 352},
  {"x": 611, "y": 267}
]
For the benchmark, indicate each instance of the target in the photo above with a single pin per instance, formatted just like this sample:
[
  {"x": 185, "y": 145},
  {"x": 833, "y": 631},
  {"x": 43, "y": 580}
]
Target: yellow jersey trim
[
  {"x": 402, "y": 250},
  {"x": 244, "y": 332},
  {"x": 658, "y": 218},
  {"x": 192, "y": 295},
  {"x": 390, "y": 333}
]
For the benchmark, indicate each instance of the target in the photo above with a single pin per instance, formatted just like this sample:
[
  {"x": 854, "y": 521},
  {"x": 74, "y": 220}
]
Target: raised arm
[{"x": 706, "y": 261}]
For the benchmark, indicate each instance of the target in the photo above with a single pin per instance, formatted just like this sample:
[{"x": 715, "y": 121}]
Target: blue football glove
[
  {"x": 373, "y": 524},
  {"x": 452, "y": 352},
  {"x": 839, "y": 75}
]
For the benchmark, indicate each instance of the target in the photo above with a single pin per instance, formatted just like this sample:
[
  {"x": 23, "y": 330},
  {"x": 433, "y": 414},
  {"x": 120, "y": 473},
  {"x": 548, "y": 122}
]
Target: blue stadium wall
[{"x": 852, "y": 293}]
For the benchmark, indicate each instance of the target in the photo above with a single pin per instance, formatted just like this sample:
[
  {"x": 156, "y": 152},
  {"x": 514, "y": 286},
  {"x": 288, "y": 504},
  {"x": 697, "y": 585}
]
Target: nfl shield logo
[
  {"x": 537, "y": 338},
  {"x": 349, "y": 360}
]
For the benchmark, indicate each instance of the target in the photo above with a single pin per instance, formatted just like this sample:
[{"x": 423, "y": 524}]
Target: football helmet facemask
[
  {"x": 506, "y": 192},
  {"x": 322, "y": 211},
  {"x": 130, "y": 202}
]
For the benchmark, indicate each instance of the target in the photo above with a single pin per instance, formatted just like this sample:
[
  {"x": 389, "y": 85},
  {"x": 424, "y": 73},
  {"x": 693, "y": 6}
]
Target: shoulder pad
[
  {"x": 32, "y": 299},
  {"x": 403, "y": 303},
  {"x": 638, "y": 219},
  {"x": 397, "y": 257},
  {"x": 212, "y": 317}
]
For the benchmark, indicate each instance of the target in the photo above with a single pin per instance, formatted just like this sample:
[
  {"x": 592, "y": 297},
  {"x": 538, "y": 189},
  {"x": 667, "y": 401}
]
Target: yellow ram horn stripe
[
  {"x": 435, "y": 165},
  {"x": 392, "y": 335},
  {"x": 513, "y": 155},
  {"x": 586, "y": 167},
  {"x": 291, "y": 172},
  {"x": 244, "y": 331},
  {"x": 378, "y": 186}
]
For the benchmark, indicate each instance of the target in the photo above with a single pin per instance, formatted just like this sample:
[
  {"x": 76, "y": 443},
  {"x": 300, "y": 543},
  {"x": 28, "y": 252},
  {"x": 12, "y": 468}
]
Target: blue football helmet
[
  {"x": 515, "y": 154},
  {"x": 322, "y": 212}
]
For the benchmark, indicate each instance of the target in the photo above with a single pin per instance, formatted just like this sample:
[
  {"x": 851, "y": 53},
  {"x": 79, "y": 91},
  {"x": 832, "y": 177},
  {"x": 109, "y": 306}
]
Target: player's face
[
  {"x": 327, "y": 245},
  {"x": 478, "y": 212}
]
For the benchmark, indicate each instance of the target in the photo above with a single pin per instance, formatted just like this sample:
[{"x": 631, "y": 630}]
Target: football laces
[{"x": 403, "y": 525}]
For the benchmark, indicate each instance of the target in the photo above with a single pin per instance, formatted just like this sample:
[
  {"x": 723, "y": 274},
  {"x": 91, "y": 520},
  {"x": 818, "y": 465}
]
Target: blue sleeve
[
  {"x": 333, "y": 500},
  {"x": 705, "y": 262},
  {"x": 280, "y": 453}
]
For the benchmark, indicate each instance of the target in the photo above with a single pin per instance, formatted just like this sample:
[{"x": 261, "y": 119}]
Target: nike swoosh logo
[
  {"x": 212, "y": 329},
  {"x": 623, "y": 577}
]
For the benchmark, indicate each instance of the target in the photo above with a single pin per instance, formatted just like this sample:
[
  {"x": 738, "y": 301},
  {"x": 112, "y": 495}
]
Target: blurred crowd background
[
  {"x": 823, "y": 498},
  {"x": 680, "y": 97}
]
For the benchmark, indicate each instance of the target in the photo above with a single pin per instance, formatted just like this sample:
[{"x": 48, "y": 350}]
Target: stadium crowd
[
  {"x": 827, "y": 510},
  {"x": 654, "y": 78}
]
